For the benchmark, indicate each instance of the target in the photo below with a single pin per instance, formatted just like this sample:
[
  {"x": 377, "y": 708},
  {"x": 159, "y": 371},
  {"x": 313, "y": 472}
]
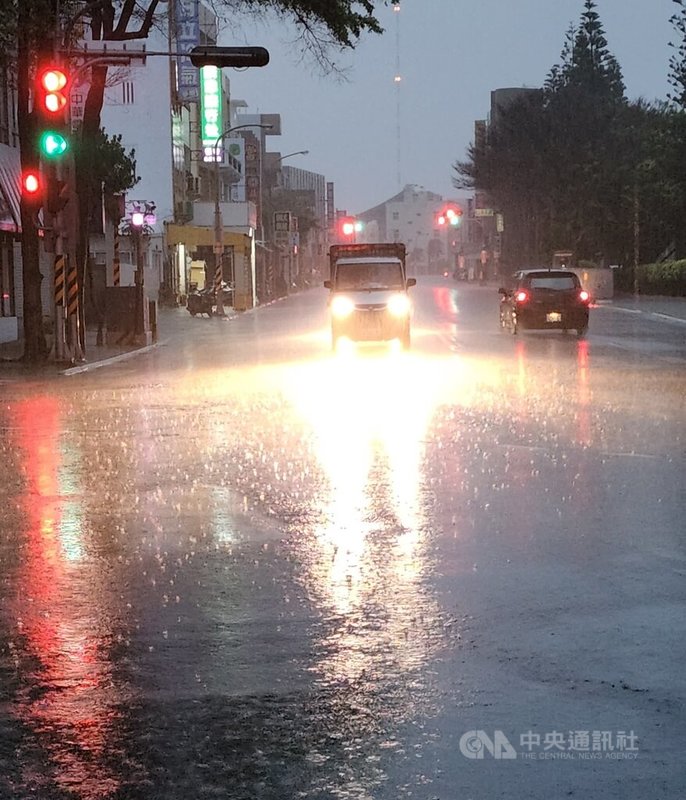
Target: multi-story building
[
  {"x": 176, "y": 118},
  {"x": 409, "y": 217},
  {"x": 310, "y": 189}
]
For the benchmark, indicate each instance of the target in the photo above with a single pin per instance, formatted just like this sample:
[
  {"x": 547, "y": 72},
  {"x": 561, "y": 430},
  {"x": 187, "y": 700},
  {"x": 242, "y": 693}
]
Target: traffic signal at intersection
[
  {"x": 50, "y": 106},
  {"x": 43, "y": 185},
  {"x": 450, "y": 214},
  {"x": 32, "y": 186},
  {"x": 349, "y": 226}
]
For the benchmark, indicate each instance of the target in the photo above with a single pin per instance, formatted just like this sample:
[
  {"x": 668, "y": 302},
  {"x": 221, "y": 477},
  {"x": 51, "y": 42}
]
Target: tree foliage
[
  {"x": 677, "y": 63},
  {"x": 566, "y": 165}
]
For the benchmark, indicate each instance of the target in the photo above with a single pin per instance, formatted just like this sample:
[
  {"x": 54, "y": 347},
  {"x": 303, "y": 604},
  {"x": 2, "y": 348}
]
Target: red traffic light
[
  {"x": 350, "y": 226},
  {"x": 31, "y": 184},
  {"x": 450, "y": 214},
  {"x": 53, "y": 92}
]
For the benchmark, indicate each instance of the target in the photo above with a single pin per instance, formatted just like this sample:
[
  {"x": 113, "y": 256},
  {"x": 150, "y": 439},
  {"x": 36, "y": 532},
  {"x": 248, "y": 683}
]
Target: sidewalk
[
  {"x": 170, "y": 323},
  {"x": 96, "y": 355},
  {"x": 667, "y": 309}
]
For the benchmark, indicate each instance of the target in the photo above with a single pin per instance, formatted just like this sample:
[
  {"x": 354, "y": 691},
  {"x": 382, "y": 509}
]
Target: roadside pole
[
  {"x": 60, "y": 344},
  {"x": 75, "y": 299},
  {"x": 218, "y": 254}
]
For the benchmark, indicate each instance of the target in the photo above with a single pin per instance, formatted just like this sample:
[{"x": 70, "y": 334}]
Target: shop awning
[
  {"x": 10, "y": 181},
  {"x": 194, "y": 235}
]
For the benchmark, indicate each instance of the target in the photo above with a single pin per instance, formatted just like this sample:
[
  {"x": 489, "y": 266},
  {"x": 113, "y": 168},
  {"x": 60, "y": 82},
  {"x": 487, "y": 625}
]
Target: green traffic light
[{"x": 53, "y": 144}]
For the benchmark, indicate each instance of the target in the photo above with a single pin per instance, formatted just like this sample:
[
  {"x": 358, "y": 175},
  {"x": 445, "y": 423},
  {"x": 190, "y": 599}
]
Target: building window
[
  {"x": 396, "y": 235},
  {"x": 127, "y": 93},
  {"x": 396, "y": 215}
]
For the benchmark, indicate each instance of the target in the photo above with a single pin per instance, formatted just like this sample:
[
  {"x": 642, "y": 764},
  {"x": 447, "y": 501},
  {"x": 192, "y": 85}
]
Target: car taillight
[
  {"x": 521, "y": 297},
  {"x": 584, "y": 296}
]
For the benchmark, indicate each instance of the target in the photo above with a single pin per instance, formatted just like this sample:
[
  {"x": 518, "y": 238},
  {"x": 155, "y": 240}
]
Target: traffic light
[
  {"x": 50, "y": 110},
  {"x": 32, "y": 186},
  {"x": 212, "y": 55},
  {"x": 349, "y": 226},
  {"x": 53, "y": 97},
  {"x": 450, "y": 214},
  {"x": 453, "y": 213},
  {"x": 53, "y": 144}
]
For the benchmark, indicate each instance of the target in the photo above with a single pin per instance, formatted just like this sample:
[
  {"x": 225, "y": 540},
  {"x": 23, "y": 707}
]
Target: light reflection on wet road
[{"x": 241, "y": 567}]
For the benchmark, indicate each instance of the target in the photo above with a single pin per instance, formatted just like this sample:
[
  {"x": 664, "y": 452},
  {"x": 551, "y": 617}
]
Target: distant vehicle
[
  {"x": 369, "y": 299},
  {"x": 545, "y": 299},
  {"x": 564, "y": 259}
]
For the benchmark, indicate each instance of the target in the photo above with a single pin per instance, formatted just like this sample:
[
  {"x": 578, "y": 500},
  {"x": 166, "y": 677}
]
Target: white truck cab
[{"x": 369, "y": 299}]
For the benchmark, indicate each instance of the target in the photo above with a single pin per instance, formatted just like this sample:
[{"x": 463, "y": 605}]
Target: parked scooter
[{"x": 201, "y": 301}]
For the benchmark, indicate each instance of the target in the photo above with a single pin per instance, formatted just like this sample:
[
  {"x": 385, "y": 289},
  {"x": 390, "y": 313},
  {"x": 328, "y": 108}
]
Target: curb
[{"x": 113, "y": 360}]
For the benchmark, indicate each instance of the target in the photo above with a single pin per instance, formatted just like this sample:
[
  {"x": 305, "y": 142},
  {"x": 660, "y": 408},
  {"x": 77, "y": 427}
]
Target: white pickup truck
[{"x": 369, "y": 299}]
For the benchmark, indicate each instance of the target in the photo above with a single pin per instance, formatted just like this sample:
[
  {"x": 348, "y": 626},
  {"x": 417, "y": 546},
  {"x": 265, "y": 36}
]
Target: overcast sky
[{"x": 452, "y": 54}]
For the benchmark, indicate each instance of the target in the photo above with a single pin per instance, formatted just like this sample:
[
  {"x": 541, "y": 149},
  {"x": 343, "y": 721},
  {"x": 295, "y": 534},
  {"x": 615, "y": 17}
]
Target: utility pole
[{"x": 637, "y": 236}]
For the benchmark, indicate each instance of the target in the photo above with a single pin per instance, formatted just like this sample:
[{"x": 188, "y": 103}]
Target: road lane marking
[
  {"x": 667, "y": 317},
  {"x": 656, "y": 315}
]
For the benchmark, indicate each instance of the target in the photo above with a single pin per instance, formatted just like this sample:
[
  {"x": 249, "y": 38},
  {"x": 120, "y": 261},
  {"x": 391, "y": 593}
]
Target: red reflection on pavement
[
  {"x": 444, "y": 300},
  {"x": 584, "y": 429},
  {"x": 60, "y": 624}
]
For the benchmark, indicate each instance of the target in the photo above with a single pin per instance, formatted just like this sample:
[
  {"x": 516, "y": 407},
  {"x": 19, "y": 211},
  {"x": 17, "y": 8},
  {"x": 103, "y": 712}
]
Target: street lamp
[
  {"x": 218, "y": 222},
  {"x": 296, "y": 153}
]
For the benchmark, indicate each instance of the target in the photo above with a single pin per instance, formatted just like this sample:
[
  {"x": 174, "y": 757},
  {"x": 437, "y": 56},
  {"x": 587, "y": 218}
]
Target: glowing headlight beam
[
  {"x": 399, "y": 305},
  {"x": 342, "y": 306}
]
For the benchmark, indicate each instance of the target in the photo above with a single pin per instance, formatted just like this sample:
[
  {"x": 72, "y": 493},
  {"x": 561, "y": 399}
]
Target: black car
[{"x": 545, "y": 299}]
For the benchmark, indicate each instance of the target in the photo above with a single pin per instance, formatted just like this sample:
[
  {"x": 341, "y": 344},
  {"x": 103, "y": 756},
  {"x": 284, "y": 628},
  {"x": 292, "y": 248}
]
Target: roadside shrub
[{"x": 666, "y": 278}]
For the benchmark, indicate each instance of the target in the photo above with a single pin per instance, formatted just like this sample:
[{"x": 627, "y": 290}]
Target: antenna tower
[{"x": 397, "y": 80}]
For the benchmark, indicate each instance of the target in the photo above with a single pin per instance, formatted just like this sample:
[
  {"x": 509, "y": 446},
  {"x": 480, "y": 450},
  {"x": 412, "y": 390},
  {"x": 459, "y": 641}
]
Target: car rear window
[{"x": 559, "y": 282}]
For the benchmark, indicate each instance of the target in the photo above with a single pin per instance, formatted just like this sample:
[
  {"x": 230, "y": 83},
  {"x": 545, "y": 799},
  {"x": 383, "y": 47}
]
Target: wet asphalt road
[{"x": 241, "y": 567}]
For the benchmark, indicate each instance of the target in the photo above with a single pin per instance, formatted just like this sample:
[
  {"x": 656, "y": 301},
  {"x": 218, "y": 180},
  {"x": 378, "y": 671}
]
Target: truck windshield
[{"x": 369, "y": 275}]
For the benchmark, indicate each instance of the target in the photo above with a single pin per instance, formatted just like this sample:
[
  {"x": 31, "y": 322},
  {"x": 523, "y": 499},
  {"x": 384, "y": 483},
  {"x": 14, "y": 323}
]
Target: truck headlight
[
  {"x": 342, "y": 306},
  {"x": 399, "y": 305}
]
